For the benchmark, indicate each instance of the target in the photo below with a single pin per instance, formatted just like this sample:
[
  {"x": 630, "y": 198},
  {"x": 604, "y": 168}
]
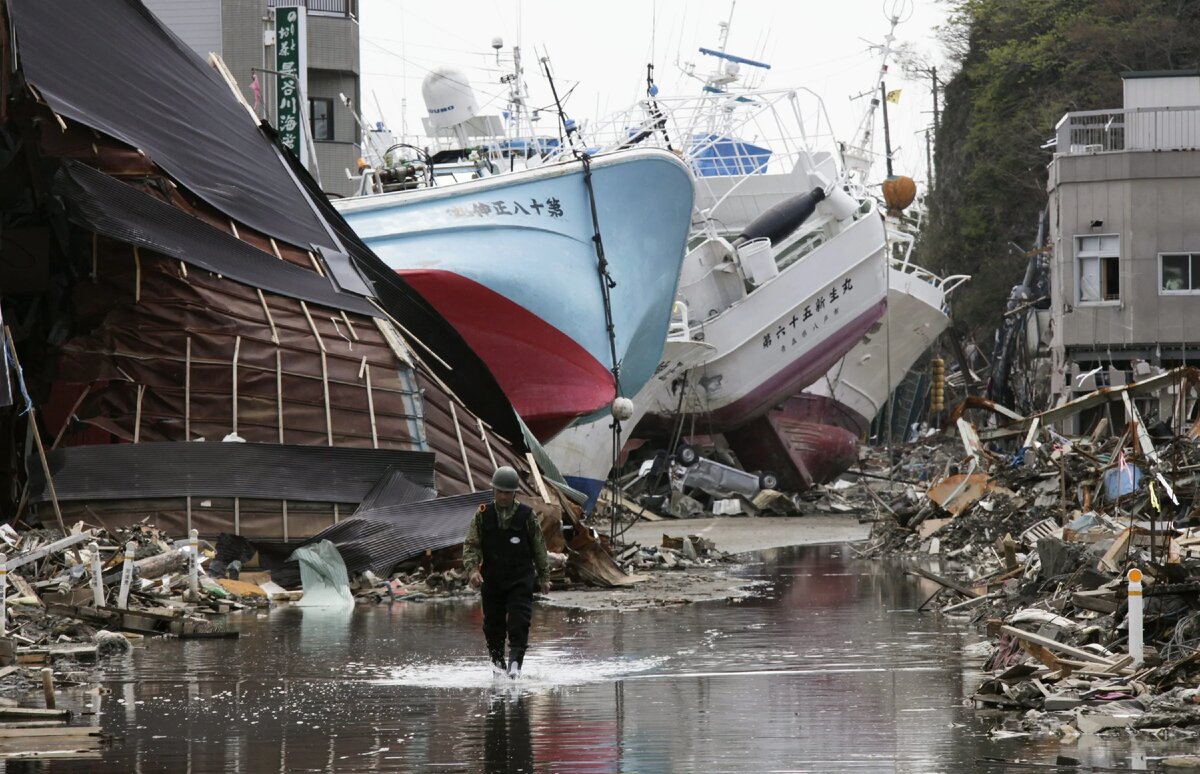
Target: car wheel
[{"x": 686, "y": 455}]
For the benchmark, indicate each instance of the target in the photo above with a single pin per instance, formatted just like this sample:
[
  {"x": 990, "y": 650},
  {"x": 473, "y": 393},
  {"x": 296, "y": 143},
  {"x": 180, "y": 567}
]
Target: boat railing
[
  {"x": 1133, "y": 129},
  {"x": 722, "y": 135},
  {"x": 945, "y": 284},
  {"x": 679, "y": 328}
]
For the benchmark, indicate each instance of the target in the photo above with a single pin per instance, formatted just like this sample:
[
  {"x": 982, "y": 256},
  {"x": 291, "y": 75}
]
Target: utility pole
[
  {"x": 887, "y": 135},
  {"x": 929, "y": 160},
  {"x": 936, "y": 118}
]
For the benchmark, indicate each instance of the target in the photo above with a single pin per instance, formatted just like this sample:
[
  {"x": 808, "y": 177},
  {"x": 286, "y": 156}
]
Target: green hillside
[{"x": 1022, "y": 64}]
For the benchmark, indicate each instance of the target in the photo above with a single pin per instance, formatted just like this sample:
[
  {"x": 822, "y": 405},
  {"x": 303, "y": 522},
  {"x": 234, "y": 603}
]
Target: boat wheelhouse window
[
  {"x": 1179, "y": 272},
  {"x": 1099, "y": 260},
  {"x": 320, "y": 114}
]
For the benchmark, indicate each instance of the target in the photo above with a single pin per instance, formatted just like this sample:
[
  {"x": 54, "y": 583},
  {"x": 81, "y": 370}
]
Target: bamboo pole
[
  {"x": 279, "y": 391},
  {"x": 137, "y": 413},
  {"x": 37, "y": 439},
  {"x": 137, "y": 275},
  {"x": 461, "y": 446},
  {"x": 270, "y": 320},
  {"x": 486, "y": 444},
  {"x": 237, "y": 350},
  {"x": 187, "y": 391},
  {"x": 371, "y": 410}
]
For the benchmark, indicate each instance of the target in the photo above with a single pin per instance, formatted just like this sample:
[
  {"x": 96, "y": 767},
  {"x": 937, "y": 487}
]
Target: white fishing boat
[
  {"x": 812, "y": 437},
  {"x": 787, "y": 270}
]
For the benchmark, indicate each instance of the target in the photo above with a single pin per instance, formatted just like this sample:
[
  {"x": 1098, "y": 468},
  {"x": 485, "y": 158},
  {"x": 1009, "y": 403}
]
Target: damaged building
[
  {"x": 194, "y": 337},
  {"x": 1124, "y": 224}
]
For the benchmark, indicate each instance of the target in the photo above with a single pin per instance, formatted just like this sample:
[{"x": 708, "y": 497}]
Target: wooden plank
[
  {"x": 49, "y": 548},
  {"x": 1099, "y": 604},
  {"x": 630, "y": 505},
  {"x": 537, "y": 478},
  {"x": 948, "y": 583},
  {"x": 1055, "y": 645},
  {"x": 32, "y": 712},
  {"x": 9, "y": 733}
]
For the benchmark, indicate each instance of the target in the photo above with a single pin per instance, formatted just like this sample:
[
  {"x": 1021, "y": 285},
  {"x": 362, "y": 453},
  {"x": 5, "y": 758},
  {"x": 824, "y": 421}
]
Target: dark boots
[
  {"x": 515, "y": 657},
  {"x": 499, "y": 668}
]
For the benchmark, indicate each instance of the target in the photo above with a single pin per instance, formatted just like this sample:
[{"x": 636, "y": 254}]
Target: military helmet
[{"x": 505, "y": 479}]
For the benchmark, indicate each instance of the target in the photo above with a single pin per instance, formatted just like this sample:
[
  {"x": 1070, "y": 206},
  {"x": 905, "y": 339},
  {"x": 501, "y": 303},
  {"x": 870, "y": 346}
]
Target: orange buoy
[{"x": 899, "y": 192}]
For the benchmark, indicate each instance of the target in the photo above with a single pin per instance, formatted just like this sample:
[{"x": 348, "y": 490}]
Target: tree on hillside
[{"x": 1022, "y": 64}]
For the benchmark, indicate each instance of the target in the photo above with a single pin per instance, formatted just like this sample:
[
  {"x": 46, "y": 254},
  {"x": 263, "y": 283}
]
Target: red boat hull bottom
[
  {"x": 810, "y": 440},
  {"x": 550, "y": 379}
]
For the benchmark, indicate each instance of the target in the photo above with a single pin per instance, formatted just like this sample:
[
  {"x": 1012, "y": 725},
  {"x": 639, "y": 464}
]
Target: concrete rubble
[{"x": 1039, "y": 539}]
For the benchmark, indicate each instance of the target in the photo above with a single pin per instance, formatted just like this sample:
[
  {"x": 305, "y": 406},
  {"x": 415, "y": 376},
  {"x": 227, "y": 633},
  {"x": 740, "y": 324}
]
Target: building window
[
  {"x": 320, "y": 116},
  {"x": 1099, "y": 259},
  {"x": 1179, "y": 272}
]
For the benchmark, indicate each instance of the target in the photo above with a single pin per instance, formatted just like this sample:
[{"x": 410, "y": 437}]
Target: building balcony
[{"x": 1134, "y": 129}]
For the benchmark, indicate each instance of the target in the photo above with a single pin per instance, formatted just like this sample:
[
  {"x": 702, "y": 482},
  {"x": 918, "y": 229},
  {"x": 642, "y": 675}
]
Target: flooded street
[{"x": 831, "y": 669}]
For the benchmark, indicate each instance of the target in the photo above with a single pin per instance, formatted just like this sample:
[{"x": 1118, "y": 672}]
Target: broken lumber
[{"x": 1055, "y": 645}]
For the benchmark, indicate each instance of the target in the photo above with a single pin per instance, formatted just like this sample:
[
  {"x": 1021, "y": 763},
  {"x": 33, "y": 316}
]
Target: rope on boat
[{"x": 607, "y": 283}]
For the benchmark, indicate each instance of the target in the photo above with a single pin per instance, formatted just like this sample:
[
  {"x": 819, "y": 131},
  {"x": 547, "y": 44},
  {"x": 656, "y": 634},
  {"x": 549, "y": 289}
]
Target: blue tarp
[
  {"x": 1121, "y": 481},
  {"x": 716, "y": 156}
]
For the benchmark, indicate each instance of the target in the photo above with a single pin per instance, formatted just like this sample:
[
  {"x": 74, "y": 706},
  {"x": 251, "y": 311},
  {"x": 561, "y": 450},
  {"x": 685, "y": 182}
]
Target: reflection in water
[
  {"x": 507, "y": 741},
  {"x": 831, "y": 670}
]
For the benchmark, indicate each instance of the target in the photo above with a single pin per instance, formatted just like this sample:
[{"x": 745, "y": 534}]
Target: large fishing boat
[
  {"x": 787, "y": 269},
  {"x": 812, "y": 437},
  {"x": 554, "y": 275}
]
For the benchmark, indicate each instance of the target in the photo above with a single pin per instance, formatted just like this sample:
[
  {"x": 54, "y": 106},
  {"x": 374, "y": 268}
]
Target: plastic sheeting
[{"x": 323, "y": 575}]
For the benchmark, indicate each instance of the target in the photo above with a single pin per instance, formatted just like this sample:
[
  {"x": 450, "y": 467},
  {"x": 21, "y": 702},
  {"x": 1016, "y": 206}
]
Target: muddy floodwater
[{"x": 829, "y": 669}]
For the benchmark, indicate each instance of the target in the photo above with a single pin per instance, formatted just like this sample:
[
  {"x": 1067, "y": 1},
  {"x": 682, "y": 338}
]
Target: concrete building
[
  {"x": 1124, "y": 224},
  {"x": 240, "y": 31}
]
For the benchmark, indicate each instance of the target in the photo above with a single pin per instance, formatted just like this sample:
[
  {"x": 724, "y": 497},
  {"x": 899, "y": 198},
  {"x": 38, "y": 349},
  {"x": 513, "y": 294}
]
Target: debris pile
[
  {"x": 1078, "y": 555},
  {"x": 673, "y": 554}
]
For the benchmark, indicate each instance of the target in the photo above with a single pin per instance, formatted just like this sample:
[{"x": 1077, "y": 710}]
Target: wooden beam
[
  {"x": 137, "y": 413},
  {"x": 461, "y": 446},
  {"x": 237, "y": 350},
  {"x": 37, "y": 438},
  {"x": 279, "y": 391},
  {"x": 270, "y": 320},
  {"x": 371, "y": 408},
  {"x": 1055, "y": 645},
  {"x": 537, "y": 478},
  {"x": 486, "y": 444}
]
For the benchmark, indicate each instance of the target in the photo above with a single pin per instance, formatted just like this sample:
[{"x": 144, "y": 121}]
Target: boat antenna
[
  {"x": 858, "y": 154},
  {"x": 659, "y": 120},
  {"x": 568, "y": 124}
]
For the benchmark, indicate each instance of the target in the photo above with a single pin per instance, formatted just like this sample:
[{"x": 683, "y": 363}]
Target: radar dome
[{"x": 448, "y": 97}]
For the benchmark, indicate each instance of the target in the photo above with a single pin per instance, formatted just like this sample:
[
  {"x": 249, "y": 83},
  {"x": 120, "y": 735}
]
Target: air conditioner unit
[{"x": 1093, "y": 148}]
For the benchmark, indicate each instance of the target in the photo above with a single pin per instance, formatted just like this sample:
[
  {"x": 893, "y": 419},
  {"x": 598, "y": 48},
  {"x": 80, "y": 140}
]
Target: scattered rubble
[{"x": 1051, "y": 545}]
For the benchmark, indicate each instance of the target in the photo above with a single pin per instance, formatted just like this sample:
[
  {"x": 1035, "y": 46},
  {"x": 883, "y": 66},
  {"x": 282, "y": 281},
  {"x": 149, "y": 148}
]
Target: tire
[
  {"x": 768, "y": 480},
  {"x": 686, "y": 455}
]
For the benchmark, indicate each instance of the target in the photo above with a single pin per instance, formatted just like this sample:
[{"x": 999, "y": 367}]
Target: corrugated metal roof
[
  {"x": 394, "y": 488},
  {"x": 260, "y": 470},
  {"x": 122, "y": 212},
  {"x": 380, "y": 539}
]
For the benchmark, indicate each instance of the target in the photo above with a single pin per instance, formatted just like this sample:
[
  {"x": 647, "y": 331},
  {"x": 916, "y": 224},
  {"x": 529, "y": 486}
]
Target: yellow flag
[{"x": 894, "y": 97}]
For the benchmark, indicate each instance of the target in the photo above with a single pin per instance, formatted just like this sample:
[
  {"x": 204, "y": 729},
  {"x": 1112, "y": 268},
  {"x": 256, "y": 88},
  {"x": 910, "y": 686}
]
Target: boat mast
[{"x": 859, "y": 155}]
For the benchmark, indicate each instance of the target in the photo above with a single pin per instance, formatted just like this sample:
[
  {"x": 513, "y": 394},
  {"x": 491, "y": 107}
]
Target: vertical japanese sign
[{"x": 291, "y": 64}]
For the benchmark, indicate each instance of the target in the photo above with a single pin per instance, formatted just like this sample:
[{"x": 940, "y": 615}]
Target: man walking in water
[{"x": 505, "y": 553}]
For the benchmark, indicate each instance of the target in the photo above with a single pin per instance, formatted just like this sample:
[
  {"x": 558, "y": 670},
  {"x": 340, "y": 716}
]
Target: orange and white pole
[{"x": 1134, "y": 617}]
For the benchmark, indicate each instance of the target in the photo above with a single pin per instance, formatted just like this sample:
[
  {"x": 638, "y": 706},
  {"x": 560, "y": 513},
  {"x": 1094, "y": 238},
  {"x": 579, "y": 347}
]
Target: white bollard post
[
  {"x": 97, "y": 575},
  {"x": 126, "y": 575},
  {"x": 1135, "y": 615},
  {"x": 194, "y": 564},
  {"x": 3, "y": 595}
]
